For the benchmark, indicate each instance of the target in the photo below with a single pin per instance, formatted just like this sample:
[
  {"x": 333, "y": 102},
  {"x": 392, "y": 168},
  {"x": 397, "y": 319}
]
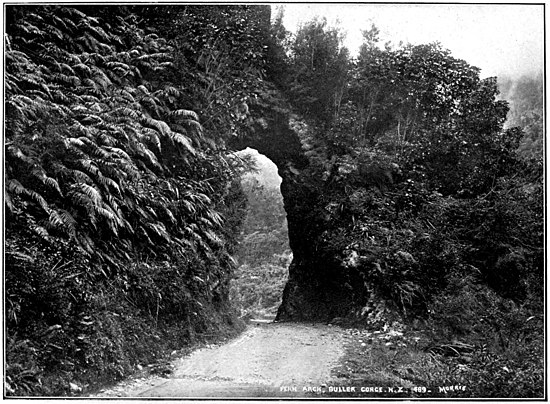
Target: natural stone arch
[{"x": 315, "y": 290}]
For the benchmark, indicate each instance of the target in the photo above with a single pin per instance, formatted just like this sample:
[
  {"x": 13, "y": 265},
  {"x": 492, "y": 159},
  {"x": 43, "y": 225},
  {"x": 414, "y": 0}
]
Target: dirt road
[{"x": 267, "y": 360}]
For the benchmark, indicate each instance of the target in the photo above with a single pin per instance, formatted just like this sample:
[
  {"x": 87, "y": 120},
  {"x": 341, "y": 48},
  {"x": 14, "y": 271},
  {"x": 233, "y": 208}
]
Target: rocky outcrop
[{"x": 318, "y": 287}]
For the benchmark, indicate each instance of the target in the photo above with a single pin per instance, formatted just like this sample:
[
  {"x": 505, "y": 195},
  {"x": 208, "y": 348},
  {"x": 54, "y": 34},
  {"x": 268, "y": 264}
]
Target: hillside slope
[{"x": 122, "y": 208}]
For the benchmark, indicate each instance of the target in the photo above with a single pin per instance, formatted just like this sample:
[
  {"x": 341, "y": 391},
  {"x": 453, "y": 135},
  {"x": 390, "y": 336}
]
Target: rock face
[{"x": 317, "y": 288}]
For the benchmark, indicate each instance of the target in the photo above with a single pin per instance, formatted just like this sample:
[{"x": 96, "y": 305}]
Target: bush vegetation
[
  {"x": 263, "y": 253},
  {"x": 423, "y": 204},
  {"x": 124, "y": 207}
]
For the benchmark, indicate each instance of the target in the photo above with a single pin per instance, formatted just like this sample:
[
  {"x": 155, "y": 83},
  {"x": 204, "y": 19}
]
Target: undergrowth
[
  {"x": 474, "y": 344},
  {"x": 70, "y": 329}
]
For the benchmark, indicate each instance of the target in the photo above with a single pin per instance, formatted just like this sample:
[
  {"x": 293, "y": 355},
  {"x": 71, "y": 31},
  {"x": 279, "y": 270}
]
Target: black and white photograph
[{"x": 274, "y": 201}]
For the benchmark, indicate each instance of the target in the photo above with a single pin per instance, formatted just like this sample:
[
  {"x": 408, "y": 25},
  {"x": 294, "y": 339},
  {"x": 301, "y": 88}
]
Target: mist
[{"x": 500, "y": 39}]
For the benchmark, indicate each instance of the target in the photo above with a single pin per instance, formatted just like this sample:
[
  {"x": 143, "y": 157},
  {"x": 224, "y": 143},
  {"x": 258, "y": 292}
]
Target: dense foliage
[
  {"x": 419, "y": 201},
  {"x": 122, "y": 208},
  {"x": 408, "y": 198},
  {"x": 263, "y": 253},
  {"x": 525, "y": 96}
]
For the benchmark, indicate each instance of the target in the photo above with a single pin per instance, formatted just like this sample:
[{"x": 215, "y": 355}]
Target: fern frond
[
  {"x": 52, "y": 183},
  {"x": 161, "y": 126},
  {"x": 97, "y": 107},
  {"x": 15, "y": 56},
  {"x": 160, "y": 230},
  {"x": 162, "y": 66},
  {"x": 122, "y": 66},
  {"x": 95, "y": 150},
  {"x": 66, "y": 69},
  {"x": 89, "y": 98},
  {"x": 35, "y": 196},
  {"x": 8, "y": 201},
  {"x": 148, "y": 154},
  {"x": 137, "y": 73},
  {"x": 40, "y": 231},
  {"x": 109, "y": 183},
  {"x": 65, "y": 24},
  {"x": 28, "y": 28},
  {"x": 99, "y": 32},
  {"x": 91, "y": 119},
  {"x": 185, "y": 114},
  {"x": 90, "y": 192},
  {"x": 152, "y": 136},
  {"x": 16, "y": 152},
  {"x": 62, "y": 221},
  {"x": 172, "y": 91},
  {"x": 70, "y": 57},
  {"x": 90, "y": 167},
  {"x": 143, "y": 89},
  {"x": 182, "y": 140},
  {"x": 112, "y": 201},
  {"x": 106, "y": 212},
  {"x": 125, "y": 111},
  {"x": 118, "y": 152},
  {"x": 73, "y": 80},
  {"x": 15, "y": 187},
  {"x": 77, "y": 175},
  {"x": 107, "y": 140},
  {"x": 145, "y": 215},
  {"x": 40, "y": 174},
  {"x": 216, "y": 218},
  {"x": 205, "y": 222},
  {"x": 56, "y": 32},
  {"x": 59, "y": 96},
  {"x": 125, "y": 92},
  {"x": 188, "y": 206},
  {"x": 99, "y": 77},
  {"x": 88, "y": 43},
  {"x": 73, "y": 12},
  {"x": 73, "y": 141},
  {"x": 143, "y": 233},
  {"x": 79, "y": 197},
  {"x": 128, "y": 226},
  {"x": 213, "y": 237},
  {"x": 170, "y": 215}
]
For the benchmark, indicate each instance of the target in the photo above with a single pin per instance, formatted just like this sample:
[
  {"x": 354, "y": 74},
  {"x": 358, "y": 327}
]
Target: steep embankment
[{"x": 122, "y": 205}]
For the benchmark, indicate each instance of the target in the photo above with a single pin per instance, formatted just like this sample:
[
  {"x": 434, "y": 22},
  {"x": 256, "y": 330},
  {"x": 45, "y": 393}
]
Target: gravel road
[{"x": 267, "y": 360}]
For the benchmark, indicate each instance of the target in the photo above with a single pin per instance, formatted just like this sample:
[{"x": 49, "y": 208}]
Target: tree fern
[{"x": 115, "y": 134}]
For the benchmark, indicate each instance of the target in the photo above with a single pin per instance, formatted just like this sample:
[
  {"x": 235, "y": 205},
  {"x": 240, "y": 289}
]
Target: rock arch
[{"x": 316, "y": 290}]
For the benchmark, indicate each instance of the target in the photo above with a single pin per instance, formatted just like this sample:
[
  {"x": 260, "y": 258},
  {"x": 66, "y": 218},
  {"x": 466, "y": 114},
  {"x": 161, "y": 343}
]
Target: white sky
[{"x": 500, "y": 39}]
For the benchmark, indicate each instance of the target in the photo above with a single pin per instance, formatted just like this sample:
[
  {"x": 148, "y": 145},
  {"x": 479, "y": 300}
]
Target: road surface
[{"x": 267, "y": 360}]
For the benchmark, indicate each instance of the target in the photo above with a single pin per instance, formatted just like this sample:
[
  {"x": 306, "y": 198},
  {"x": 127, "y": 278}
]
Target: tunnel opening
[{"x": 263, "y": 255}]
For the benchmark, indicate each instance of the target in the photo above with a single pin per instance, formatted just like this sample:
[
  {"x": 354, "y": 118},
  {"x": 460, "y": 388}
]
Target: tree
[
  {"x": 319, "y": 65},
  {"x": 525, "y": 97}
]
